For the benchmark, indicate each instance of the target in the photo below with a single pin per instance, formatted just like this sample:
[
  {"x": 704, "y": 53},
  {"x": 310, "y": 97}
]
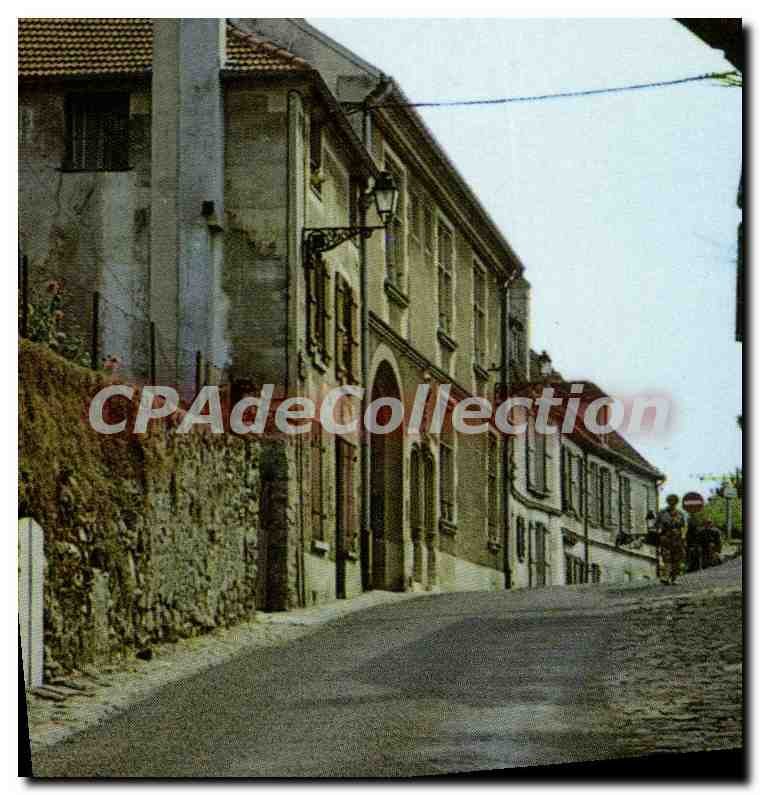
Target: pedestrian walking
[
  {"x": 670, "y": 525},
  {"x": 694, "y": 543}
]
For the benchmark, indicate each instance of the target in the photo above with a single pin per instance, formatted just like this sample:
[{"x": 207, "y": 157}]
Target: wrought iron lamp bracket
[{"x": 318, "y": 241}]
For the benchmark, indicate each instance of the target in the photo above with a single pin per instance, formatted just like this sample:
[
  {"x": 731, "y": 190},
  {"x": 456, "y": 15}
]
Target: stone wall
[{"x": 147, "y": 538}]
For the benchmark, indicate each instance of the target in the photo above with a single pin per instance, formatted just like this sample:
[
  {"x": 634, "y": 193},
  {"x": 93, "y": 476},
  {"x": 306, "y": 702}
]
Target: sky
[{"x": 622, "y": 207}]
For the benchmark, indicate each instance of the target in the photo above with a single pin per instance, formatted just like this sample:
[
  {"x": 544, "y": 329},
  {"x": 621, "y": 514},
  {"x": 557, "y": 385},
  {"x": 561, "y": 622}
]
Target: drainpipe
[
  {"x": 380, "y": 92},
  {"x": 585, "y": 492},
  {"x": 365, "y": 551},
  {"x": 507, "y": 475}
]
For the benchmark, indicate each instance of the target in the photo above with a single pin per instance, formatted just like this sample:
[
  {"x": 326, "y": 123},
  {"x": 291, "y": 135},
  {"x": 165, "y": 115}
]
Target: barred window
[
  {"x": 479, "y": 293},
  {"x": 574, "y": 567},
  {"x": 596, "y": 573},
  {"x": 493, "y": 487},
  {"x": 346, "y": 332},
  {"x": 97, "y": 132},
  {"x": 447, "y": 482},
  {"x": 445, "y": 277}
]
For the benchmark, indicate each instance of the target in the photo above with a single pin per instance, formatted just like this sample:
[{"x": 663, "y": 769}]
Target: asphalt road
[{"x": 450, "y": 682}]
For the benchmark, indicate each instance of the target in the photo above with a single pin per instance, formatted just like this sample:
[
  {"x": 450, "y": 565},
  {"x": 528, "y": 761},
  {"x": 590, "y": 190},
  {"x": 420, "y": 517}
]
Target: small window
[{"x": 97, "y": 132}]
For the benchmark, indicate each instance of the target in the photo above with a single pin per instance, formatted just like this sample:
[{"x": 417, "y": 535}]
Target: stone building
[{"x": 177, "y": 167}]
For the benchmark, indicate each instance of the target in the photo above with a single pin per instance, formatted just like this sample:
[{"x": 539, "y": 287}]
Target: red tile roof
[{"x": 58, "y": 47}]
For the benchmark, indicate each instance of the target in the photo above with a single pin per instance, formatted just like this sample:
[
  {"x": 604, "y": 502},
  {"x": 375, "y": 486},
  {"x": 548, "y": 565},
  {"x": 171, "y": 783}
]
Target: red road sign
[{"x": 692, "y": 502}]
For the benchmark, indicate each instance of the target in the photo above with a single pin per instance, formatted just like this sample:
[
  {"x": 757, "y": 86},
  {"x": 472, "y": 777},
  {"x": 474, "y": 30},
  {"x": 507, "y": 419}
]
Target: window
[
  {"x": 317, "y": 279},
  {"x": 97, "y": 132},
  {"x": 625, "y": 503},
  {"x": 493, "y": 487},
  {"x": 346, "y": 325},
  {"x": 395, "y": 257},
  {"x": 315, "y": 155},
  {"x": 573, "y": 570},
  {"x": 317, "y": 483},
  {"x": 520, "y": 539},
  {"x": 445, "y": 278},
  {"x": 447, "y": 482},
  {"x": 596, "y": 573},
  {"x": 479, "y": 300}
]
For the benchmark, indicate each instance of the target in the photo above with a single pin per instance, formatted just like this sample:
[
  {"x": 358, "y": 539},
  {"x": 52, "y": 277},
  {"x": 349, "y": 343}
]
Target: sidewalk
[{"x": 74, "y": 703}]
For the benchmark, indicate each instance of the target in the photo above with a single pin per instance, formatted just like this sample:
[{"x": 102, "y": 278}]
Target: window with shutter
[
  {"x": 480, "y": 298},
  {"x": 97, "y": 132},
  {"x": 317, "y": 313},
  {"x": 492, "y": 459},
  {"x": 395, "y": 242},
  {"x": 315, "y": 155},
  {"x": 317, "y": 483},
  {"x": 447, "y": 482},
  {"x": 592, "y": 485},
  {"x": 626, "y": 507},
  {"x": 520, "y": 539},
  {"x": 346, "y": 339},
  {"x": 445, "y": 277}
]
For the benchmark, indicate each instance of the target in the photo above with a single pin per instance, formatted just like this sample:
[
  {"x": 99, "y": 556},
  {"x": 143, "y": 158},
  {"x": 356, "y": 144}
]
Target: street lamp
[{"x": 385, "y": 195}]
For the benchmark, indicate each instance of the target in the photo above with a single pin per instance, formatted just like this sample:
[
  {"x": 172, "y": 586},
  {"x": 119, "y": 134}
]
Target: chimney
[{"x": 187, "y": 165}]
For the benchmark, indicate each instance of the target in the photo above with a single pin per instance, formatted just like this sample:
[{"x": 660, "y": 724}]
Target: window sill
[
  {"x": 72, "y": 170},
  {"x": 447, "y": 528},
  {"x": 319, "y": 547},
  {"x": 540, "y": 493},
  {"x": 396, "y": 295},
  {"x": 446, "y": 340}
]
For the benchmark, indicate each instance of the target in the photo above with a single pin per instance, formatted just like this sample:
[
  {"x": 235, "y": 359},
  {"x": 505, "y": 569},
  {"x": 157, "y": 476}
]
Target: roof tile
[{"x": 74, "y": 47}]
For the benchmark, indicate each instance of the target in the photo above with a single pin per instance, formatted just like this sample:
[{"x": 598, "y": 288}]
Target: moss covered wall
[{"x": 147, "y": 538}]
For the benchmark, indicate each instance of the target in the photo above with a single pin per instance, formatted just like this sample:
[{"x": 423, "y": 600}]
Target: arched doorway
[{"x": 387, "y": 490}]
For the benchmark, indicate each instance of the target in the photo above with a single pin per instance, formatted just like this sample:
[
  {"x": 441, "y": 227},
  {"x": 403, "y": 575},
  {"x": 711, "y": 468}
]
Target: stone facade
[{"x": 224, "y": 275}]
